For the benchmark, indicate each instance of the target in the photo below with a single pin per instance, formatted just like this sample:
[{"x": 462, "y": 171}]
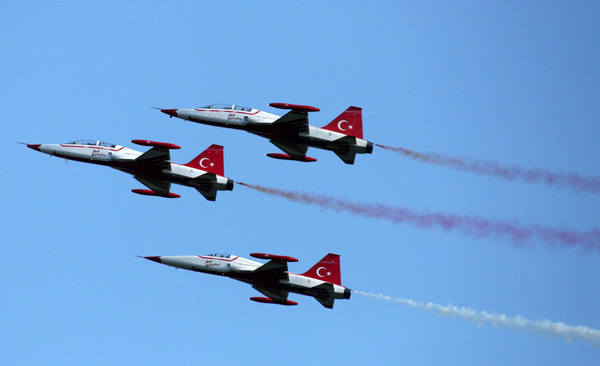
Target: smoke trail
[
  {"x": 568, "y": 332},
  {"x": 512, "y": 172},
  {"x": 471, "y": 225}
]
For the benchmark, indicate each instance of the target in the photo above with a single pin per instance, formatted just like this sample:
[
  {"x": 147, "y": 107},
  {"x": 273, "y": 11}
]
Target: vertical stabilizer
[
  {"x": 328, "y": 269},
  {"x": 349, "y": 123},
  {"x": 211, "y": 160}
]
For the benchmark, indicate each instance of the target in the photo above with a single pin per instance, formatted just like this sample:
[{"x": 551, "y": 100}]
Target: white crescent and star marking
[
  {"x": 327, "y": 273},
  {"x": 340, "y": 126},
  {"x": 201, "y": 162}
]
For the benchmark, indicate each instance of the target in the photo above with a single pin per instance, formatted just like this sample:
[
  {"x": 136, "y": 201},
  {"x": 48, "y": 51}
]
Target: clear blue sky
[{"x": 516, "y": 83}]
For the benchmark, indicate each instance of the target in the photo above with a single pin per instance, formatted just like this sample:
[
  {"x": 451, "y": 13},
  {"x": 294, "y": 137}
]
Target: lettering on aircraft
[
  {"x": 210, "y": 263},
  {"x": 97, "y": 153},
  {"x": 233, "y": 117}
]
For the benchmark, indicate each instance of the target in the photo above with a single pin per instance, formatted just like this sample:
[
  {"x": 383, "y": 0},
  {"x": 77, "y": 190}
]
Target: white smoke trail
[{"x": 568, "y": 332}]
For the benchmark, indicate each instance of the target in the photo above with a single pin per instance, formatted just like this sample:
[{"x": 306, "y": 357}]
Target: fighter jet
[
  {"x": 272, "y": 279},
  {"x": 152, "y": 168},
  {"x": 290, "y": 133}
]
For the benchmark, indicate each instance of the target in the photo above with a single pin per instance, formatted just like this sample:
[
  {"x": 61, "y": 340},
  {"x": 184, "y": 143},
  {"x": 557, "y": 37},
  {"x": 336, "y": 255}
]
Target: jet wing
[
  {"x": 297, "y": 151},
  {"x": 292, "y": 123},
  {"x": 159, "y": 186},
  {"x": 275, "y": 269},
  {"x": 271, "y": 273},
  {"x": 156, "y": 158},
  {"x": 286, "y": 128},
  {"x": 278, "y": 296}
]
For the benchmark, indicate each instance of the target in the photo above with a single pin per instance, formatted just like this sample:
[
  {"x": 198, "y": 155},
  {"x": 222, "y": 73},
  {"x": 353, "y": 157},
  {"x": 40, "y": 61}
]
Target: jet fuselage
[
  {"x": 132, "y": 162},
  {"x": 260, "y": 276},
  {"x": 293, "y": 141}
]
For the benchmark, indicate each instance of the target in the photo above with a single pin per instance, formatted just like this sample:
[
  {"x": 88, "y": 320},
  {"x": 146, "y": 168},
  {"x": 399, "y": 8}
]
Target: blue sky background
[{"x": 516, "y": 83}]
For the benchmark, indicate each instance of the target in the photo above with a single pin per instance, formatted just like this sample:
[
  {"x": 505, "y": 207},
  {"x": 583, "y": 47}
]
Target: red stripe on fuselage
[{"x": 93, "y": 147}]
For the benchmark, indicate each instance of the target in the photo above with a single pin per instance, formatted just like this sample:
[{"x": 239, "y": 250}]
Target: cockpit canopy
[
  {"x": 227, "y": 106},
  {"x": 91, "y": 143},
  {"x": 220, "y": 255}
]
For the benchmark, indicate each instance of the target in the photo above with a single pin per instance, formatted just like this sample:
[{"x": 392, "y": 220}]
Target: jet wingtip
[
  {"x": 295, "y": 107},
  {"x": 266, "y": 300},
  {"x": 305, "y": 159}
]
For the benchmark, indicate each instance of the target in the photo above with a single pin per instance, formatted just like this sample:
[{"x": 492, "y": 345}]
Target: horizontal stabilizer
[
  {"x": 345, "y": 149},
  {"x": 207, "y": 186},
  {"x": 347, "y": 158},
  {"x": 323, "y": 294},
  {"x": 210, "y": 194}
]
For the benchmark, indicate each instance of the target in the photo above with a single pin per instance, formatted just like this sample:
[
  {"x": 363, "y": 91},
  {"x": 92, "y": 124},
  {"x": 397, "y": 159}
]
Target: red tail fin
[
  {"x": 348, "y": 123},
  {"x": 211, "y": 160},
  {"x": 328, "y": 269}
]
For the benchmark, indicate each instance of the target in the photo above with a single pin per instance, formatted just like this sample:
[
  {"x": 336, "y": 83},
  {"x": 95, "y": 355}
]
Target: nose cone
[
  {"x": 154, "y": 259},
  {"x": 34, "y": 146},
  {"x": 170, "y": 112}
]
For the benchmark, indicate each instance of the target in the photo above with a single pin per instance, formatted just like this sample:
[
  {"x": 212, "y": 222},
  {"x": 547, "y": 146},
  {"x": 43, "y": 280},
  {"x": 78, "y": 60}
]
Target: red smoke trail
[
  {"x": 472, "y": 225},
  {"x": 573, "y": 181}
]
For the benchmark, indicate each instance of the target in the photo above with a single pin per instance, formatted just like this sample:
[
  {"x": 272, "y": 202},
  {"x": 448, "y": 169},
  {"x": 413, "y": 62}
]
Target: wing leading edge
[{"x": 156, "y": 159}]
